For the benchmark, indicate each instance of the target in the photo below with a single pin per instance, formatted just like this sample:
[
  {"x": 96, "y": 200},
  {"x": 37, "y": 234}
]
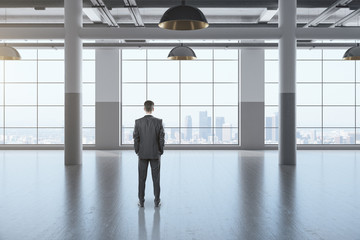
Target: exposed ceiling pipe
[
  {"x": 134, "y": 12},
  {"x": 327, "y": 12},
  {"x": 341, "y": 21}
]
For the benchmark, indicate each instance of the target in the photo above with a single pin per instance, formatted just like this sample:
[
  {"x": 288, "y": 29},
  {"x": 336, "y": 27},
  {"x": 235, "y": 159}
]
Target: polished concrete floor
[{"x": 206, "y": 195}]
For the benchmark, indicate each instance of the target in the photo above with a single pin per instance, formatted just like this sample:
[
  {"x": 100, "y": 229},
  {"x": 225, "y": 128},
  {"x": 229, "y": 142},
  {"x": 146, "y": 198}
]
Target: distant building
[
  {"x": 205, "y": 125},
  {"x": 226, "y": 133},
  {"x": 188, "y": 125},
  {"x": 219, "y": 122}
]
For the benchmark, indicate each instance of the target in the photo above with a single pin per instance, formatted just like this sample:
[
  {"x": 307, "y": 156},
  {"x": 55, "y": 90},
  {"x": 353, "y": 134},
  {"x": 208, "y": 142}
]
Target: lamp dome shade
[
  {"x": 183, "y": 17},
  {"x": 9, "y": 53},
  {"x": 352, "y": 53},
  {"x": 182, "y": 53}
]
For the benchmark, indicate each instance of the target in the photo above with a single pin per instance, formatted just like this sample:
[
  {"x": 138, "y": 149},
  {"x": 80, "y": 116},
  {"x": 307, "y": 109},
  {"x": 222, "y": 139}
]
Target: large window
[
  {"x": 32, "y": 98},
  {"x": 197, "y": 100},
  {"x": 327, "y": 97}
]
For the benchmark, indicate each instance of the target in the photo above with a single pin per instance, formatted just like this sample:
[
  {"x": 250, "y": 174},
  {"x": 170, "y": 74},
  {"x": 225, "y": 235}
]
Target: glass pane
[
  {"x": 51, "y": 136},
  {"x": 20, "y": 94},
  {"x": 196, "y": 71},
  {"x": 88, "y": 94},
  {"x": 1, "y": 93},
  {"x": 196, "y": 94},
  {"x": 88, "y": 71},
  {"x": 20, "y": 71},
  {"x": 158, "y": 53},
  {"x": 172, "y": 136},
  {"x": 1, "y": 71},
  {"x": 308, "y": 71},
  {"x": 51, "y": 116},
  {"x": 88, "y": 136},
  {"x": 271, "y": 94},
  {"x": 271, "y": 117},
  {"x": 169, "y": 115},
  {"x": 336, "y": 54},
  {"x": 164, "y": 94},
  {"x": 226, "y": 116},
  {"x": 163, "y": 71},
  {"x": 51, "y": 94},
  {"x": 339, "y": 136},
  {"x": 308, "y": 116},
  {"x": 28, "y": 54},
  {"x": 357, "y": 136},
  {"x": 226, "y": 54},
  {"x": 127, "y": 136},
  {"x": 339, "y": 94},
  {"x": 308, "y": 136},
  {"x": 196, "y": 136},
  {"x": 196, "y": 117},
  {"x": 134, "y": 54},
  {"x": 309, "y": 54},
  {"x": 2, "y": 136},
  {"x": 271, "y": 135},
  {"x": 133, "y": 71},
  {"x": 133, "y": 94},
  {"x": 357, "y": 94},
  {"x": 226, "y": 94},
  {"x": 205, "y": 54},
  {"x": 272, "y": 71},
  {"x": 308, "y": 94},
  {"x": 332, "y": 117},
  {"x": 130, "y": 114},
  {"x": 357, "y": 117},
  {"x": 272, "y": 54},
  {"x": 339, "y": 71},
  {"x": 20, "y": 136},
  {"x": 357, "y": 71},
  {"x": 88, "y": 116},
  {"x": 88, "y": 54},
  {"x": 51, "y": 71},
  {"x": 20, "y": 117},
  {"x": 51, "y": 54},
  {"x": 226, "y": 135},
  {"x": 226, "y": 71}
]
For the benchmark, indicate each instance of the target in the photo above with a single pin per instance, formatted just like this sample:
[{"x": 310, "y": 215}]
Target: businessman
[{"x": 149, "y": 146}]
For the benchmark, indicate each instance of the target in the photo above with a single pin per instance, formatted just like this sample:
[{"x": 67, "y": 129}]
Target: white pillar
[
  {"x": 287, "y": 86},
  {"x": 73, "y": 82},
  {"x": 107, "y": 98},
  {"x": 252, "y": 98}
]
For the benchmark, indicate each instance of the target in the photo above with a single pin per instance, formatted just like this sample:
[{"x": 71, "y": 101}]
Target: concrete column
[
  {"x": 73, "y": 82},
  {"x": 107, "y": 98},
  {"x": 252, "y": 98},
  {"x": 287, "y": 86}
]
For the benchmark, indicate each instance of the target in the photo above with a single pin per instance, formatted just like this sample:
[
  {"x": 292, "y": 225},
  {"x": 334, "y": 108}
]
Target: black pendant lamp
[
  {"x": 183, "y": 17},
  {"x": 352, "y": 53},
  {"x": 181, "y": 53}
]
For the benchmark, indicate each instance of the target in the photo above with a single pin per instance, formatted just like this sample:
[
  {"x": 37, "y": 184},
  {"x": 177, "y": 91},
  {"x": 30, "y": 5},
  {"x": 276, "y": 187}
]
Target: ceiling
[
  {"x": 218, "y": 13},
  {"x": 169, "y": 3}
]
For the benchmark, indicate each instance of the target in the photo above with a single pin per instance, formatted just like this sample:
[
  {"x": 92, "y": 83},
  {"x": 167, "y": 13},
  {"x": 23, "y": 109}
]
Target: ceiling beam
[
  {"x": 327, "y": 12},
  {"x": 267, "y": 15},
  {"x": 236, "y": 33},
  {"x": 134, "y": 12},
  {"x": 105, "y": 13},
  {"x": 343, "y": 20}
]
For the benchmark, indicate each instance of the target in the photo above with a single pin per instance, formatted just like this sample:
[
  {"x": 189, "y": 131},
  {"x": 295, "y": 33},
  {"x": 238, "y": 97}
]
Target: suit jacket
[{"x": 149, "y": 137}]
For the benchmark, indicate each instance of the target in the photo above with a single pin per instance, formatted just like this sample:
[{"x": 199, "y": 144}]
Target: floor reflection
[{"x": 73, "y": 202}]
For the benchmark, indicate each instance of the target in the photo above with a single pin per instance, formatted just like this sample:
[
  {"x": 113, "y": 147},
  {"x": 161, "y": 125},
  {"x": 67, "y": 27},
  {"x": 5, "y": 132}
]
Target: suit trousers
[{"x": 155, "y": 172}]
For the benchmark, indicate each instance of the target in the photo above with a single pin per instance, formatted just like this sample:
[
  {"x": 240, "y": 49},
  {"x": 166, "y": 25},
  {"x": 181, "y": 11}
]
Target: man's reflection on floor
[{"x": 155, "y": 234}]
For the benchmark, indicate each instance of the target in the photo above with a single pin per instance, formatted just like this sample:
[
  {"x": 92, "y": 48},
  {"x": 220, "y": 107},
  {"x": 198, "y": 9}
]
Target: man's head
[{"x": 149, "y": 106}]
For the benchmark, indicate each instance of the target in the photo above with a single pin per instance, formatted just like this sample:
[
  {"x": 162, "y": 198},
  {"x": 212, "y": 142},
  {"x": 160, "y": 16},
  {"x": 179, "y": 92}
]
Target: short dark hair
[{"x": 149, "y": 106}]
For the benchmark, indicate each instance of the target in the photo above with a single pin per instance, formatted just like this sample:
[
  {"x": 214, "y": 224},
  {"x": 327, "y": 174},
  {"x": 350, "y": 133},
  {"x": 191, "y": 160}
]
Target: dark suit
[{"x": 149, "y": 146}]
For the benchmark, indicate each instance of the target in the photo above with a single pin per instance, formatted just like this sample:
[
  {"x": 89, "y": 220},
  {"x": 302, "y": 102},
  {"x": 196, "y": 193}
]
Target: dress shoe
[{"x": 141, "y": 204}]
